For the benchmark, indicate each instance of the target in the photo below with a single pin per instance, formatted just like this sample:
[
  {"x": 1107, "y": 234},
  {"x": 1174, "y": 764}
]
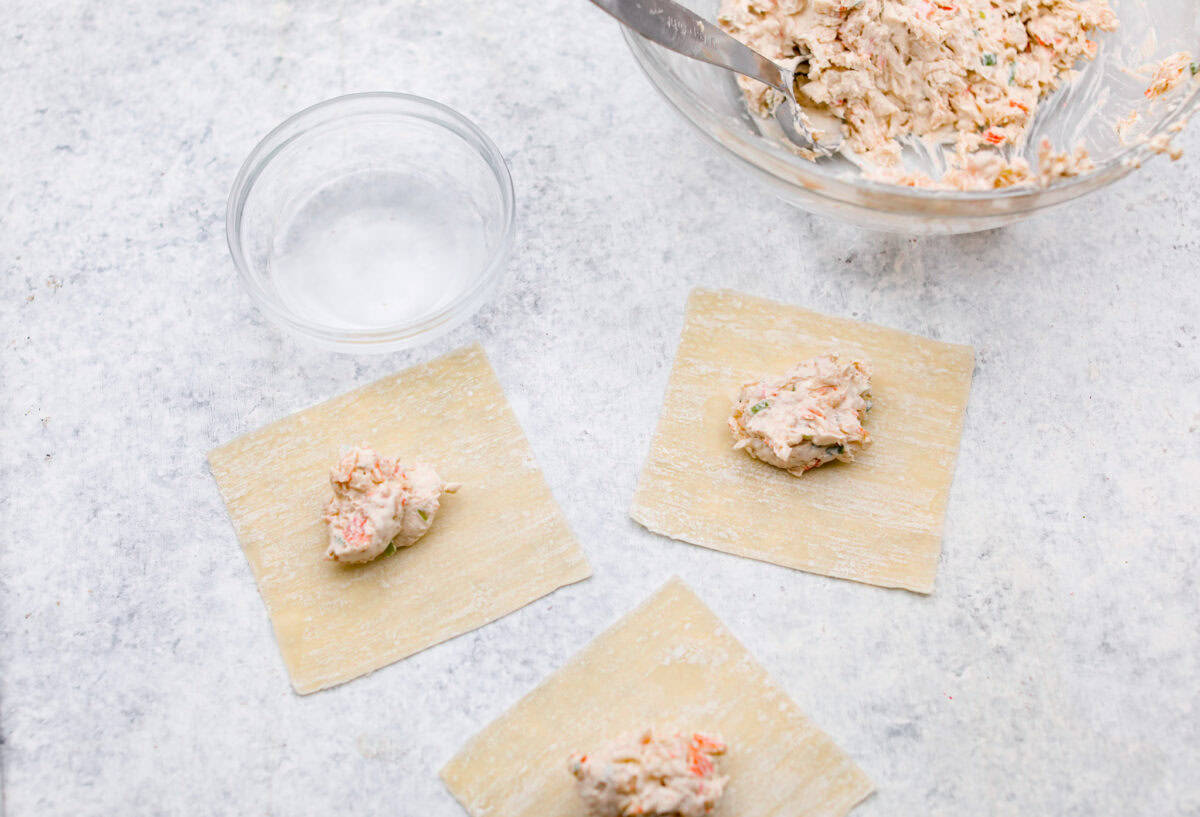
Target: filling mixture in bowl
[{"x": 965, "y": 74}]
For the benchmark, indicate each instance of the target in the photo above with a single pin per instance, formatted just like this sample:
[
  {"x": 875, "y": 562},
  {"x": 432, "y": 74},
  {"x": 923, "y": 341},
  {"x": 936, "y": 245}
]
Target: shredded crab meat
[
  {"x": 1168, "y": 74},
  {"x": 652, "y": 773},
  {"x": 1164, "y": 144},
  {"x": 1053, "y": 164},
  {"x": 378, "y": 502},
  {"x": 809, "y": 416},
  {"x": 989, "y": 170},
  {"x": 966, "y": 73},
  {"x": 1127, "y": 124}
]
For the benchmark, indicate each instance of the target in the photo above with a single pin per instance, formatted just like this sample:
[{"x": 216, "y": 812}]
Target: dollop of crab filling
[
  {"x": 651, "y": 773},
  {"x": 810, "y": 416},
  {"x": 377, "y": 503}
]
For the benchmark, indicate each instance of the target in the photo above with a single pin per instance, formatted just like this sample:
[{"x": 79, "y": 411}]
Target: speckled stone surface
[{"x": 1053, "y": 671}]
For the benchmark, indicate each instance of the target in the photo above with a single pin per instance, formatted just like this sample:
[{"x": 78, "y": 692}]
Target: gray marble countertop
[{"x": 1053, "y": 671}]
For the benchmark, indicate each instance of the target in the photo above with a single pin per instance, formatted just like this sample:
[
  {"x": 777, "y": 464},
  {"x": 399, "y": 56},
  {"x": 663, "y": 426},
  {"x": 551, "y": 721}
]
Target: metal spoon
[{"x": 683, "y": 31}]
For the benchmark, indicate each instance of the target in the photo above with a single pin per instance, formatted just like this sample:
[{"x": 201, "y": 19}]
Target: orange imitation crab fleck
[
  {"x": 698, "y": 762},
  {"x": 356, "y": 532},
  {"x": 699, "y": 750}
]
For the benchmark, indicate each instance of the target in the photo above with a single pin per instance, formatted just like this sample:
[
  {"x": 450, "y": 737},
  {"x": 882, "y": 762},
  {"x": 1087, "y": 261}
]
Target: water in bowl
[{"x": 377, "y": 248}]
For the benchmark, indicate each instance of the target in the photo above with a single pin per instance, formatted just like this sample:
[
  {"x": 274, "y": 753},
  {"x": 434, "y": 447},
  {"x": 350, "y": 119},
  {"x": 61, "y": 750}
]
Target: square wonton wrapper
[
  {"x": 669, "y": 663},
  {"x": 498, "y": 544},
  {"x": 877, "y": 520}
]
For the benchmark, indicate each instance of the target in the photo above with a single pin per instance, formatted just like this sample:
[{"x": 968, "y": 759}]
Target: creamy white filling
[
  {"x": 655, "y": 774},
  {"x": 811, "y": 415},
  {"x": 378, "y": 502},
  {"x": 968, "y": 73},
  {"x": 1169, "y": 73}
]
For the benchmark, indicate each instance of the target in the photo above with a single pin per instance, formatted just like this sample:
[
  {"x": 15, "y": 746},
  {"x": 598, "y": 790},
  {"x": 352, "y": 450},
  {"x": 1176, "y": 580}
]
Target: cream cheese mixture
[
  {"x": 811, "y": 415},
  {"x": 378, "y": 502},
  {"x": 967, "y": 73},
  {"x": 1166, "y": 76},
  {"x": 655, "y": 774},
  {"x": 1171, "y": 72}
]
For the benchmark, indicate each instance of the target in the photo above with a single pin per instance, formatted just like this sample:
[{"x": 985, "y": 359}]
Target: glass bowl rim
[{"x": 409, "y": 106}]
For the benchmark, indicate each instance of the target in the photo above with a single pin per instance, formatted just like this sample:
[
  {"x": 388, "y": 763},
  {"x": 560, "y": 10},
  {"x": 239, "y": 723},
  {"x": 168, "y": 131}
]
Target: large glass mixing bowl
[{"x": 1086, "y": 109}]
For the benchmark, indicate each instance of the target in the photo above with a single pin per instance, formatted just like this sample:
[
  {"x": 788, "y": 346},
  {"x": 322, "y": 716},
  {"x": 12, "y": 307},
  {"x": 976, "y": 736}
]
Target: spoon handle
[{"x": 683, "y": 31}]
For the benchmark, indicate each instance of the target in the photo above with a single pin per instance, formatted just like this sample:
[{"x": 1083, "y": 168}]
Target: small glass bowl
[
  {"x": 372, "y": 222},
  {"x": 1086, "y": 110}
]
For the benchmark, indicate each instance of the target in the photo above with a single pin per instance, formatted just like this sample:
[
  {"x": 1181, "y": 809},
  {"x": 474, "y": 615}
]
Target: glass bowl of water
[{"x": 372, "y": 222}]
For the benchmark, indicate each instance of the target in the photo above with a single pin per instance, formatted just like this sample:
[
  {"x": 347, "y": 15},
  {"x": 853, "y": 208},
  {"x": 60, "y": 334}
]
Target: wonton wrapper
[
  {"x": 669, "y": 663},
  {"x": 877, "y": 520},
  {"x": 498, "y": 544}
]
